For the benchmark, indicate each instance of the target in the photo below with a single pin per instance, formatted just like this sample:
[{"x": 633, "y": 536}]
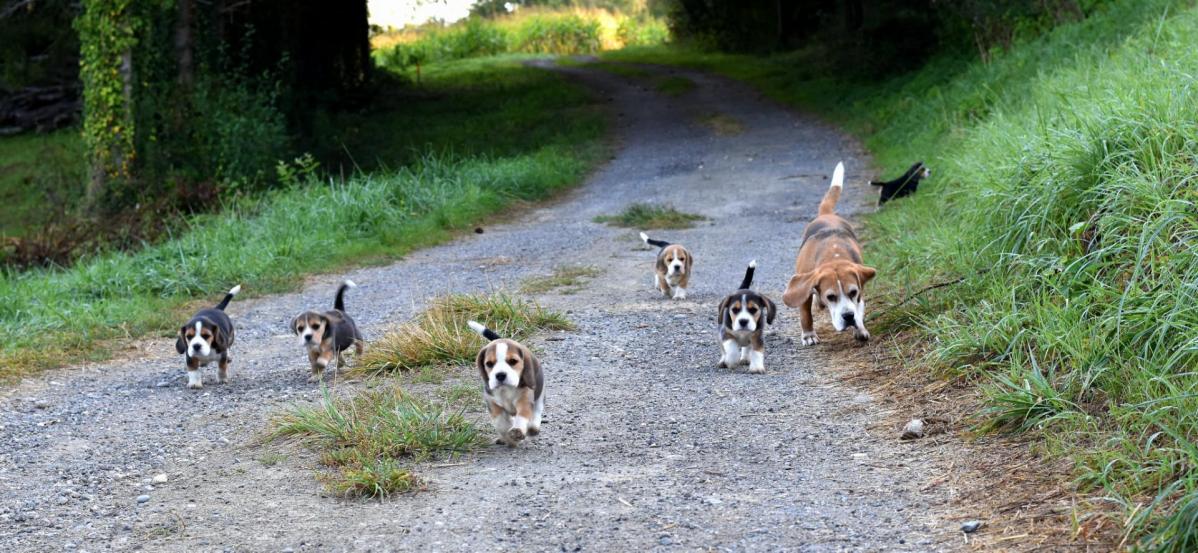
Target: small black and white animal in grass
[
  {"x": 206, "y": 338},
  {"x": 672, "y": 271},
  {"x": 325, "y": 335},
  {"x": 904, "y": 185},
  {"x": 742, "y": 317},
  {"x": 513, "y": 386}
]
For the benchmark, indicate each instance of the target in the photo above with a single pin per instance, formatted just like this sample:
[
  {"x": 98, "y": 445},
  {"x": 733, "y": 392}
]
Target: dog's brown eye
[
  {"x": 852, "y": 294},
  {"x": 512, "y": 362},
  {"x": 490, "y": 364},
  {"x": 752, "y": 310},
  {"x": 831, "y": 297}
]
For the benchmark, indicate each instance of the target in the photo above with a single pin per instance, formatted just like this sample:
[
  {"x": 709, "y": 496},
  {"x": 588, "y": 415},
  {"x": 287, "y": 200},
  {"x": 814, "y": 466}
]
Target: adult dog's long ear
[
  {"x": 180, "y": 345},
  {"x": 770, "y": 310},
  {"x": 800, "y": 288},
  {"x": 865, "y": 273}
]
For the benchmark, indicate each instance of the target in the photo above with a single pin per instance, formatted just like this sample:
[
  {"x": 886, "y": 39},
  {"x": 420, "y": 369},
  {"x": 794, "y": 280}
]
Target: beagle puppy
[
  {"x": 904, "y": 185},
  {"x": 673, "y": 269},
  {"x": 829, "y": 272},
  {"x": 206, "y": 338},
  {"x": 326, "y": 335},
  {"x": 513, "y": 386},
  {"x": 742, "y": 317}
]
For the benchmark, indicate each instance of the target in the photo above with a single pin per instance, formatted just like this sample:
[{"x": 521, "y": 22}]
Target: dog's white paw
[
  {"x": 861, "y": 334},
  {"x": 810, "y": 338},
  {"x": 195, "y": 385},
  {"x": 757, "y": 370},
  {"x": 515, "y": 435}
]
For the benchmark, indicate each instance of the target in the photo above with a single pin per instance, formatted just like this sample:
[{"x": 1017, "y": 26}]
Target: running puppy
[
  {"x": 743, "y": 316},
  {"x": 828, "y": 271},
  {"x": 206, "y": 338},
  {"x": 673, "y": 269},
  {"x": 326, "y": 335},
  {"x": 513, "y": 386},
  {"x": 904, "y": 185}
]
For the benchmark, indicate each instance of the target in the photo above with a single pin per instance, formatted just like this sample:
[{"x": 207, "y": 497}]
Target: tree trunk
[{"x": 185, "y": 43}]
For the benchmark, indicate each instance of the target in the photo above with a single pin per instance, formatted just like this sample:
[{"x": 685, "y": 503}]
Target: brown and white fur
[
  {"x": 743, "y": 316},
  {"x": 513, "y": 386},
  {"x": 325, "y": 335},
  {"x": 672, "y": 272},
  {"x": 206, "y": 338},
  {"x": 829, "y": 272}
]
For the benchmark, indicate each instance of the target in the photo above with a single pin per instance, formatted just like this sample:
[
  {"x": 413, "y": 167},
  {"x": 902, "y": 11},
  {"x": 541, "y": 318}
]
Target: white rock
[
  {"x": 159, "y": 479},
  {"x": 913, "y": 430}
]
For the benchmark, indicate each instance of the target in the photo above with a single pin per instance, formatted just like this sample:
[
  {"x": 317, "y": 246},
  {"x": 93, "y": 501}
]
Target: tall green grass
[
  {"x": 54, "y": 316},
  {"x": 529, "y": 31},
  {"x": 1064, "y": 195}
]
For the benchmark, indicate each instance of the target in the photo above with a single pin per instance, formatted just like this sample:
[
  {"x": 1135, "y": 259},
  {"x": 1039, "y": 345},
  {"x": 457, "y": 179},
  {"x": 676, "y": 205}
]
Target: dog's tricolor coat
[
  {"x": 904, "y": 185},
  {"x": 206, "y": 338},
  {"x": 829, "y": 271},
  {"x": 513, "y": 386},
  {"x": 742, "y": 317},
  {"x": 326, "y": 335},
  {"x": 672, "y": 272}
]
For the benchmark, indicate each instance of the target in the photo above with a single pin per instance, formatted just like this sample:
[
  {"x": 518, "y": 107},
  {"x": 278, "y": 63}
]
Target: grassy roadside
[
  {"x": 1064, "y": 199},
  {"x": 542, "y": 133}
]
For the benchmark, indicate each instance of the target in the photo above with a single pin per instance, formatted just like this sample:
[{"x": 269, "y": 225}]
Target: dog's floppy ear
[
  {"x": 478, "y": 362},
  {"x": 722, "y": 311},
  {"x": 326, "y": 329},
  {"x": 180, "y": 345},
  {"x": 770, "y": 310},
  {"x": 800, "y": 288},
  {"x": 690, "y": 261},
  {"x": 865, "y": 273},
  {"x": 528, "y": 376},
  {"x": 295, "y": 324},
  {"x": 218, "y": 339},
  {"x": 661, "y": 262}
]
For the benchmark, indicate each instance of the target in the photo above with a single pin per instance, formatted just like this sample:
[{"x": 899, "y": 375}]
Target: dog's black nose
[
  {"x": 501, "y": 377},
  {"x": 849, "y": 317},
  {"x": 196, "y": 347}
]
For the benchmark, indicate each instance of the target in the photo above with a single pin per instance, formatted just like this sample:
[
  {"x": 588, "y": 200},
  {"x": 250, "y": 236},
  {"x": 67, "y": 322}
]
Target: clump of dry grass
[
  {"x": 439, "y": 336},
  {"x": 567, "y": 279}
]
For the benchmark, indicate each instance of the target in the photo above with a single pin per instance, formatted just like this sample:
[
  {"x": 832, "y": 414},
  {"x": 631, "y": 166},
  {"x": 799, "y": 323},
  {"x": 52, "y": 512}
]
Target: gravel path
[{"x": 645, "y": 444}]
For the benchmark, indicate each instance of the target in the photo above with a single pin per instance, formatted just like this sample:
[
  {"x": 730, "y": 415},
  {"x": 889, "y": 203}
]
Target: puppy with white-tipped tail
[
  {"x": 672, "y": 271},
  {"x": 206, "y": 338},
  {"x": 742, "y": 317},
  {"x": 513, "y": 386},
  {"x": 829, "y": 272},
  {"x": 326, "y": 335}
]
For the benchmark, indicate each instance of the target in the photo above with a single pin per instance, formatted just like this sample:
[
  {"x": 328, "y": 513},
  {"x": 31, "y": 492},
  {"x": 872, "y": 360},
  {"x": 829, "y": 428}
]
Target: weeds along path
[{"x": 646, "y": 444}]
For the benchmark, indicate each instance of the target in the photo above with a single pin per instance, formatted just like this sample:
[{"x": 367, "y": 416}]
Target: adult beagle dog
[
  {"x": 743, "y": 316},
  {"x": 513, "y": 386},
  {"x": 829, "y": 272},
  {"x": 672, "y": 271},
  {"x": 325, "y": 335},
  {"x": 206, "y": 338}
]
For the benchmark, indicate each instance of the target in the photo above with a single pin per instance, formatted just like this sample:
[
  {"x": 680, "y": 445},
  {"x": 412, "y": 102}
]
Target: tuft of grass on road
[
  {"x": 1063, "y": 197},
  {"x": 373, "y": 440},
  {"x": 542, "y": 143},
  {"x": 674, "y": 85},
  {"x": 439, "y": 336},
  {"x": 723, "y": 124},
  {"x": 567, "y": 279},
  {"x": 648, "y": 216}
]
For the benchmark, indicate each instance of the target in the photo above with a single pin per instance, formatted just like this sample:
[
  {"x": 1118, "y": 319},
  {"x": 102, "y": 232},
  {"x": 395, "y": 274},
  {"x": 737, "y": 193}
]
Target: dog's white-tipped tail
[
  {"x": 351, "y": 284},
  {"x": 477, "y": 326},
  {"x": 645, "y": 238},
  {"x": 838, "y": 175},
  {"x": 234, "y": 290},
  {"x": 753, "y": 264}
]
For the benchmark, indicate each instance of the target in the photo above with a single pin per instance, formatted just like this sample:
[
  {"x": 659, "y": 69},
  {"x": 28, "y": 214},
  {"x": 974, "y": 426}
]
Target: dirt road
[{"x": 646, "y": 445}]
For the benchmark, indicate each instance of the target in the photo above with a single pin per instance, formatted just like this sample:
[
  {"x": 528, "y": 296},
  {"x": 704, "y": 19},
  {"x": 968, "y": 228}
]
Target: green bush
[{"x": 555, "y": 34}]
